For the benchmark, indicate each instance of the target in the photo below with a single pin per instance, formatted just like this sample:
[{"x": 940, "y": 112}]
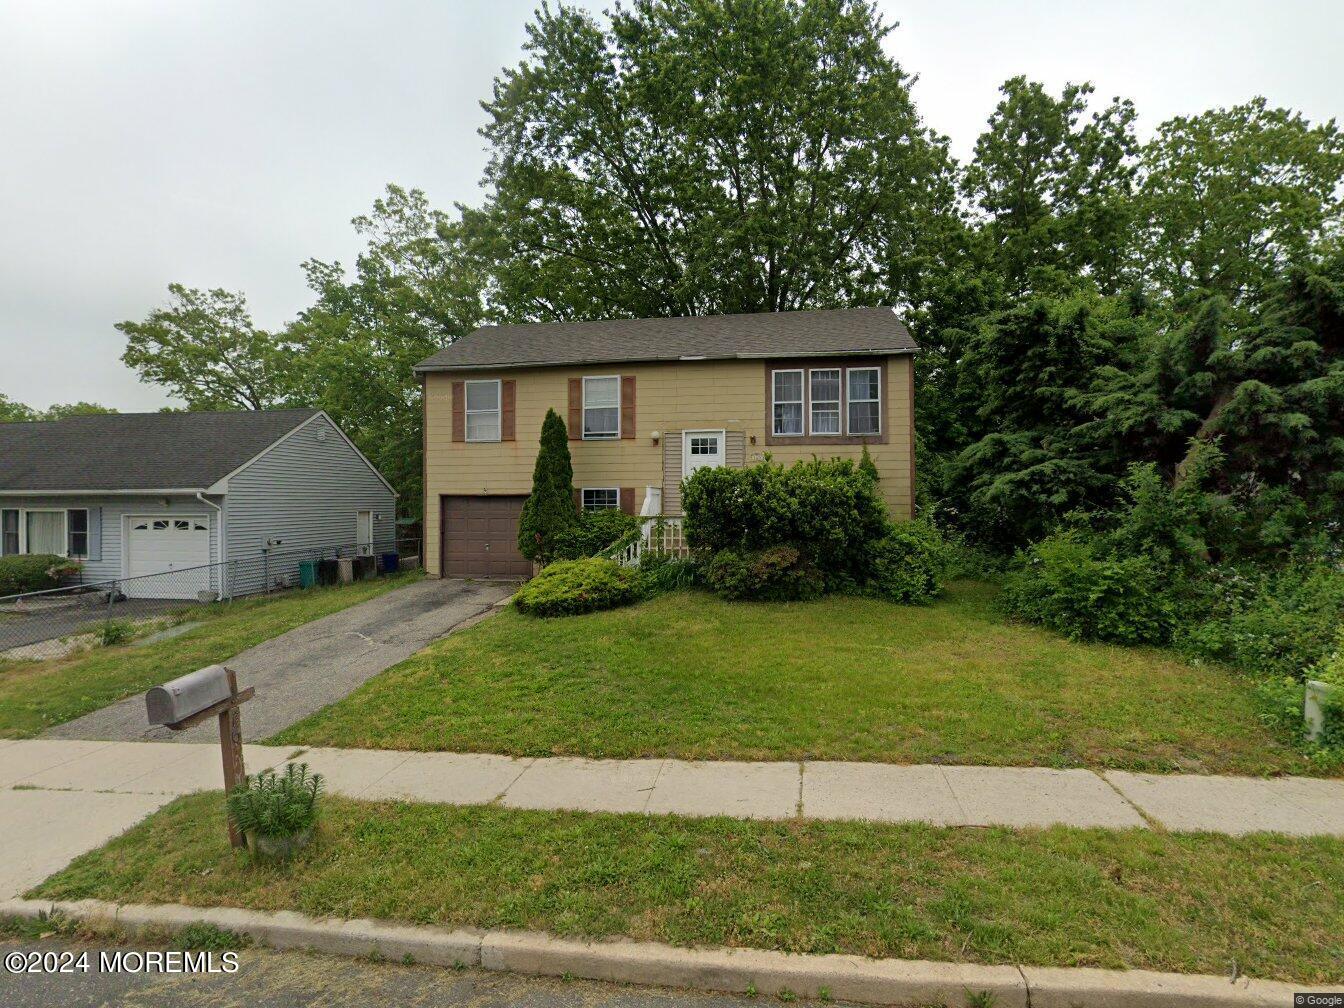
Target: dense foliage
[
  {"x": 796, "y": 532},
  {"x": 548, "y": 513},
  {"x": 572, "y": 587},
  {"x": 33, "y": 572},
  {"x": 593, "y": 532}
]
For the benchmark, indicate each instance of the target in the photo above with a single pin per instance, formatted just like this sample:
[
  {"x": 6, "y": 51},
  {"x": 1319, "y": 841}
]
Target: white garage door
[{"x": 162, "y": 545}]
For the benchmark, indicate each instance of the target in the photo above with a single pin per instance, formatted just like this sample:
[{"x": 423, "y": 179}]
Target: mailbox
[{"x": 192, "y": 693}]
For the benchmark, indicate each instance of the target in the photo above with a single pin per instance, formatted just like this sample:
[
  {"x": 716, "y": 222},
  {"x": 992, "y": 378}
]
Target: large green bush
[
  {"x": 33, "y": 572},
  {"x": 774, "y": 574},
  {"x": 593, "y": 532},
  {"x": 770, "y": 531},
  {"x": 1071, "y": 583},
  {"x": 548, "y": 513},
  {"x": 570, "y": 587},
  {"x": 908, "y": 564},
  {"x": 1267, "y": 621}
]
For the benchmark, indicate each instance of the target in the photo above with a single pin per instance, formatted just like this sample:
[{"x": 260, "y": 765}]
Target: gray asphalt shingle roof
[
  {"x": 137, "y": 451},
  {"x": 713, "y": 337}
]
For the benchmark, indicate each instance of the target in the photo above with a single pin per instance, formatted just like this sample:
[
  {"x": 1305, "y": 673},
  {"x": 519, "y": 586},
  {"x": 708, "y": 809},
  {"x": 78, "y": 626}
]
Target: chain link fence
[{"x": 59, "y": 621}]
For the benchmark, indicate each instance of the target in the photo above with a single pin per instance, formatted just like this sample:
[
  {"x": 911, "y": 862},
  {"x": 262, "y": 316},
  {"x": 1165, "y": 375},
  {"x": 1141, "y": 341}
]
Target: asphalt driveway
[{"x": 316, "y": 664}]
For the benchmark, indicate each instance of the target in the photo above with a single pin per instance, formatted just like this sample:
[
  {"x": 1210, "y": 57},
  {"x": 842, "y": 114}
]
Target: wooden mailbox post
[{"x": 196, "y": 697}]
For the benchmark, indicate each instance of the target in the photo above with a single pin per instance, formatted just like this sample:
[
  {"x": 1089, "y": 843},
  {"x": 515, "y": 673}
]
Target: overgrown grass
[
  {"x": 1058, "y": 897},
  {"x": 692, "y": 676},
  {"x": 34, "y": 695}
]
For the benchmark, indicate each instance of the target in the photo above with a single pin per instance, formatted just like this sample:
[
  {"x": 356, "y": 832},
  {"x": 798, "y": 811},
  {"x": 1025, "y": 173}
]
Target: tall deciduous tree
[
  {"x": 413, "y": 291},
  {"x": 1053, "y": 189},
  {"x": 205, "y": 350},
  {"x": 705, "y": 156},
  {"x": 1231, "y": 196},
  {"x": 12, "y": 412}
]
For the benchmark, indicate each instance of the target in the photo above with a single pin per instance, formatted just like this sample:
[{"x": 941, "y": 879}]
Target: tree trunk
[{"x": 1207, "y": 431}]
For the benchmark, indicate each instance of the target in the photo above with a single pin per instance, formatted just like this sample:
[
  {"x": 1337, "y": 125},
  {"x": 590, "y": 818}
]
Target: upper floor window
[
  {"x": 483, "y": 410},
  {"x": 788, "y": 402},
  {"x": 865, "y": 401},
  {"x": 602, "y": 408},
  {"x": 825, "y": 390}
]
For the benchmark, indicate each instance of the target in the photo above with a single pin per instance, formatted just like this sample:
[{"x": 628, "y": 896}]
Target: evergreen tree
[{"x": 550, "y": 508}]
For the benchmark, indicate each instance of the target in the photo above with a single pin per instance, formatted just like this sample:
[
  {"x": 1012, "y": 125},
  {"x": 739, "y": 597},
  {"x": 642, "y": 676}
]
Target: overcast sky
[{"x": 221, "y": 144}]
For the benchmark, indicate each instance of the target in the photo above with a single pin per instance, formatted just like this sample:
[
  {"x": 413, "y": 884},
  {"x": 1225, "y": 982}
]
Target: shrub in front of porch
[
  {"x": 775, "y": 532},
  {"x": 594, "y": 532},
  {"x": 33, "y": 572}
]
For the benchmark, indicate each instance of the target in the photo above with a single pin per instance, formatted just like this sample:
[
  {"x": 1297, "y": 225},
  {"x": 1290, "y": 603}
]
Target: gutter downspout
[{"x": 223, "y": 568}]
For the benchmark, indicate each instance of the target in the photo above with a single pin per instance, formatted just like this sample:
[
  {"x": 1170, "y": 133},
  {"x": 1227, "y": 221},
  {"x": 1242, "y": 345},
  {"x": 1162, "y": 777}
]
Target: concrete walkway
[
  {"x": 59, "y": 798},
  {"x": 315, "y": 664}
]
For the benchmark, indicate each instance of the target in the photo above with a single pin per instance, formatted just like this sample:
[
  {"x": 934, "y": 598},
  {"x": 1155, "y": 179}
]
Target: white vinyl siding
[
  {"x": 602, "y": 408},
  {"x": 787, "y": 402},
  {"x": 483, "y": 410},
  {"x": 108, "y": 517},
  {"x": 307, "y": 492}
]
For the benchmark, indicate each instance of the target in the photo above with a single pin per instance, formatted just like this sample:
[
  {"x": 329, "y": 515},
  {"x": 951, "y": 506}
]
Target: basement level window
[{"x": 598, "y": 498}]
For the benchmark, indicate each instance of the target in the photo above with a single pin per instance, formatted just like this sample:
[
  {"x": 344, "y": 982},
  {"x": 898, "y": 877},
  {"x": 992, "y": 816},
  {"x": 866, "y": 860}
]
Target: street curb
[{"x": 738, "y": 971}]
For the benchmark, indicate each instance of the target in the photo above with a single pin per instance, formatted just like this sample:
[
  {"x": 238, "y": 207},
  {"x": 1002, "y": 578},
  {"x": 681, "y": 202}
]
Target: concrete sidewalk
[
  {"x": 132, "y": 778},
  {"x": 315, "y": 664}
]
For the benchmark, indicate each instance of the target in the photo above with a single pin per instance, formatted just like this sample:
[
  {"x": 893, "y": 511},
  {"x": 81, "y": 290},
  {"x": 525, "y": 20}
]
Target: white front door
[
  {"x": 364, "y": 532},
  {"x": 167, "y": 556},
  {"x": 701, "y": 448}
]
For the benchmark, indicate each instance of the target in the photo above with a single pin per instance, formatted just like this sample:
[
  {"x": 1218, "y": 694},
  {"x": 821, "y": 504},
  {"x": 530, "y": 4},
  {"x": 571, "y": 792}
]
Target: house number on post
[{"x": 196, "y": 696}]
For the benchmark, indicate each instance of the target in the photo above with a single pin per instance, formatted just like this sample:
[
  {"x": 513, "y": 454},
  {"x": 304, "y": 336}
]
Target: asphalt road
[{"x": 268, "y": 979}]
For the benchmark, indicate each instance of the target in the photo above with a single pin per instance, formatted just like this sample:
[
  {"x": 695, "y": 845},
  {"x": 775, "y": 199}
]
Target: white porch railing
[{"x": 657, "y": 534}]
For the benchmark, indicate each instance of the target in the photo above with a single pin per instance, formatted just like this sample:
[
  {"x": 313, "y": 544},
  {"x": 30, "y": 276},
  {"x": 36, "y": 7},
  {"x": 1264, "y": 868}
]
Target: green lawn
[
  {"x": 842, "y": 678},
  {"x": 1058, "y": 897},
  {"x": 34, "y": 695}
]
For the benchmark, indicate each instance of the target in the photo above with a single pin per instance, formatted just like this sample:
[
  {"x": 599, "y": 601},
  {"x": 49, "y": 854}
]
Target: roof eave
[
  {"x": 69, "y": 491},
  {"x": 427, "y": 368}
]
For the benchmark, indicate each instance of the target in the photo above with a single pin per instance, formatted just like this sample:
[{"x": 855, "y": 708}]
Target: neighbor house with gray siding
[{"x": 172, "y": 504}]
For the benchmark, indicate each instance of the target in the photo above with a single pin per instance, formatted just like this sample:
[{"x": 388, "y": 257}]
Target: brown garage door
[{"x": 480, "y": 537}]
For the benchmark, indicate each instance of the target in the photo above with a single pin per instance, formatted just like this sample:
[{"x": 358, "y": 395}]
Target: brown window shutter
[
  {"x": 576, "y": 409},
  {"x": 578, "y": 499},
  {"x": 459, "y": 411},
  {"x": 627, "y": 500},
  {"x": 508, "y": 398},
  {"x": 627, "y": 407}
]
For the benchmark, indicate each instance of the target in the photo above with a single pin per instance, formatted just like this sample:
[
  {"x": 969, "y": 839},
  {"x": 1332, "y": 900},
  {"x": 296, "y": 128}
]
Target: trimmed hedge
[
  {"x": 571, "y": 587},
  {"x": 33, "y": 572}
]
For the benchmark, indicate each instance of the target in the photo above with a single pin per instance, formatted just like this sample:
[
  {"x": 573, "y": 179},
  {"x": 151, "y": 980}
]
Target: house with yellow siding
[{"x": 646, "y": 403}]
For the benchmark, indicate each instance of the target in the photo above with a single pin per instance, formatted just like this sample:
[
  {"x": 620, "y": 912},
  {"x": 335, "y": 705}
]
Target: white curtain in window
[{"x": 46, "y": 532}]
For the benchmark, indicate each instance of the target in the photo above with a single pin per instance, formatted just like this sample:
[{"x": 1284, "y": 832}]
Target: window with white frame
[
  {"x": 825, "y": 398},
  {"x": 597, "y": 498},
  {"x": 45, "y": 532},
  {"x": 865, "y": 400},
  {"x": 788, "y": 402},
  {"x": 9, "y": 532},
  {"x": 483, "y": 410},
  {"x": 602, "y": 408},
  {"x": 77, "y": 533}
]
